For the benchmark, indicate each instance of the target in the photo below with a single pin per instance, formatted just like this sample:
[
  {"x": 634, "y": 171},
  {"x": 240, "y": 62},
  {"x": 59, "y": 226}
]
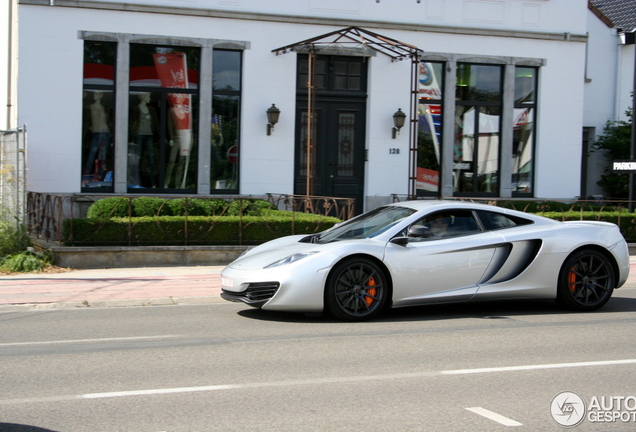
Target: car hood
[{"x": 267, "y": 253}]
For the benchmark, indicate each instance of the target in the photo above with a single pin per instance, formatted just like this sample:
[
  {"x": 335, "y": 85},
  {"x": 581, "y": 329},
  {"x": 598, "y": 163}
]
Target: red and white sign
[
  {"x": 232, "y": 154},
  {"x": 173, "y": 73},
  {"x": 427, "y": 179}
]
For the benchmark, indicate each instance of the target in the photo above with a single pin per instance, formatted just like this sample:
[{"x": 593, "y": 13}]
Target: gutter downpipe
[
  {"x": 10, "y": 66},
  {"x": 633, "y": 138}
]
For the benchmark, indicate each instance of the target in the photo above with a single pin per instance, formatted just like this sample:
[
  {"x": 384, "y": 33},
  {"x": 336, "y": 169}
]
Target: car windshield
[{"x": 367, "y": 225}]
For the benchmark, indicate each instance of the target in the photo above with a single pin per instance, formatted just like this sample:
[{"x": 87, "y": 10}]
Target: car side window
[
  {"x": 450, "y": 223},
  {"x": 495, "y": 221}
]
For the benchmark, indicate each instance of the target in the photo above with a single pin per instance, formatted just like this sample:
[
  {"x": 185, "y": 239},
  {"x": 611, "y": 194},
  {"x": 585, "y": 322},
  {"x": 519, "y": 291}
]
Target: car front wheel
[
  {"x": 356, "y": 290},
  {"x": 587, "y": 281}
]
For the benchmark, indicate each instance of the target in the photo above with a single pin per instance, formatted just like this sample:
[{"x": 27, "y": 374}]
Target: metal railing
[{"x": 52, "y": 217}]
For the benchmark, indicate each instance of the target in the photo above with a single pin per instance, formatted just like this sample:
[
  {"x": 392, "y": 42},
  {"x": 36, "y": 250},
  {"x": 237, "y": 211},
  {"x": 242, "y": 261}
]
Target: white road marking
[
  {"x": 61, "y": 342},
  {"x": 538, "y": 367},
  {"x": 494, "y": 416},
  {"x": 317, "y": 381}
]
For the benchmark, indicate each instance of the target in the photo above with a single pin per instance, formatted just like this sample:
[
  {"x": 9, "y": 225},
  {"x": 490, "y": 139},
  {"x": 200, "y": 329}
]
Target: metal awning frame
[{"x": 356, "y": 38}]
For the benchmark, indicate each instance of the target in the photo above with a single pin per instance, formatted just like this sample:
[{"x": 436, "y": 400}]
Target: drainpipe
[
  {"x": 10, "y": 65},
  {"x": 632, "y": 186}
]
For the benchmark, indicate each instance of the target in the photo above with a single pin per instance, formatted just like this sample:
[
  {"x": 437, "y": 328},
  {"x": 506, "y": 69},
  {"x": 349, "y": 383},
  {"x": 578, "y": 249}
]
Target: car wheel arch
[
  {"x": 598, "y": 249},
  {"x": 379, "y": 263},
  {"x": 575, "y": 258}
]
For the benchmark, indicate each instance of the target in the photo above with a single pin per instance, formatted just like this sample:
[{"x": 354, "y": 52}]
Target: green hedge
[
  {"x": 113, "y": 207},
  {"x": 626, "y": 221},
  {"x": 198, "y": 230},
  {"x": 541, "y": 207}
]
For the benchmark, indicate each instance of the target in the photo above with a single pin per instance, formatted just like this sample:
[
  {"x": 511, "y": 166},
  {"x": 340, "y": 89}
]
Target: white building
[{"x": 170, "y": 96}]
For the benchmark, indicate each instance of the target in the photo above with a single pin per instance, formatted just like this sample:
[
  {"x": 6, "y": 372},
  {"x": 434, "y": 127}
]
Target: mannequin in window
[
  {"x": 179, "y": 139},
  {"x": 100, "y": 138},
  {"x": 144, "y": 125}
]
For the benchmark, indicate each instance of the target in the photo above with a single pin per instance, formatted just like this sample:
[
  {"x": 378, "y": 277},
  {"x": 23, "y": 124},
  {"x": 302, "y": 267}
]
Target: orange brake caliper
[
  {"x": 371, "y": 291},
  {"x": 572, "y": 280}
]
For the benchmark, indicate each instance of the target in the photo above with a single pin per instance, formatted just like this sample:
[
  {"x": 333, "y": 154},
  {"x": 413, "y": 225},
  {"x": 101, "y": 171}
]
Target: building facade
[{"x": 171, "y": 97}]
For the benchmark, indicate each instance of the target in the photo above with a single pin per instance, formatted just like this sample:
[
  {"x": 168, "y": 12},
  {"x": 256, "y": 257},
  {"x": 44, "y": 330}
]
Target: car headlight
[{"x": 291, "y": 258}]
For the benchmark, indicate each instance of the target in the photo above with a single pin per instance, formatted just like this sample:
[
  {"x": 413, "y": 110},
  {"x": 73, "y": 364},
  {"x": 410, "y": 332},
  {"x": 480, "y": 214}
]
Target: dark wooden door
[{"x": 338, "y": 153}]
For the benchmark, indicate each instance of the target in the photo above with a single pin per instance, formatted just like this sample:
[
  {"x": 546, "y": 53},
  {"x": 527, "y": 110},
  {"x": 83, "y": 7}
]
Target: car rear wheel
[
  {"x": 356, "y": 290},
  {"x": 587, "y": 281}
]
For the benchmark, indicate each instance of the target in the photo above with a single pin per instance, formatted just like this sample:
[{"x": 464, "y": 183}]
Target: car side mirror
[
  {"x": 419, "y": 231},
  {"x": 400, "y": 241}
]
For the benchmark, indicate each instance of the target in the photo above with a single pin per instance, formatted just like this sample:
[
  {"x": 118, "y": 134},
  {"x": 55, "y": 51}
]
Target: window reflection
[
  {"x": 98, "y": 139},
  {"x": 226, "y": 69},
  {"x": 162, "y": 120},
  {"x": 429, "y": 131},
  {"x": 523, "y": 135},
  {"x": 478, "y": 82},
  {"x": 98, "y": 117},
  {"x": 477, "y": 129},
  {"x": 225, "y": 121},
  {"x": 224, "y": 148}
]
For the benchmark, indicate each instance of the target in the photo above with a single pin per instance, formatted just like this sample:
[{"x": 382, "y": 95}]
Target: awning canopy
[{"x": 354, "y": 41}]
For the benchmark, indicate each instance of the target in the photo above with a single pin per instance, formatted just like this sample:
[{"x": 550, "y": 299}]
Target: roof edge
[{"x": 596, "y": 11}]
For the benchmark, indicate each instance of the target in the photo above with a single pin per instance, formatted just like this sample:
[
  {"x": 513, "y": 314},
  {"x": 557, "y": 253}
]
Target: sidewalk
[
  {"x": 111, "y": 287},
  {"x": 143, "y": 286}
]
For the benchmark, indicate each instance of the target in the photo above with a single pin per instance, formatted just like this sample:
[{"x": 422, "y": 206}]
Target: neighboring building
[
  {"x": 170, "y": 97},
  {"x": 609, "y": 78}
]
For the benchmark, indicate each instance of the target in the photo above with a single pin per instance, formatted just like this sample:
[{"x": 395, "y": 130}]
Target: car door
[{"x": 437, "y": 270}]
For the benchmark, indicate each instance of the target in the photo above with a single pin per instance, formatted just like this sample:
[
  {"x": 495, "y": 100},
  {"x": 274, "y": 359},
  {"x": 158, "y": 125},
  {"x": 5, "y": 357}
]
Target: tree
[{"x": 616, "y": 144}]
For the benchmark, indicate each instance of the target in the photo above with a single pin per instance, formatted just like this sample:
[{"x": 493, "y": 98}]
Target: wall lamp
[
  {"x": 272, "y": 118},
  {"x": 398, "y": 122}
]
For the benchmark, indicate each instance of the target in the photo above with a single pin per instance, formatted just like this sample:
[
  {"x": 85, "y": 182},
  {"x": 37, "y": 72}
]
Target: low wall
[{"x": 139, "y": 256}]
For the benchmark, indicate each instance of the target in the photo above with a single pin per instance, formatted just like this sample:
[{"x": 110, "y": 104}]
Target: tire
[
  {"x": 586, "y": 281},
  {"x": 356, "y": 290}
]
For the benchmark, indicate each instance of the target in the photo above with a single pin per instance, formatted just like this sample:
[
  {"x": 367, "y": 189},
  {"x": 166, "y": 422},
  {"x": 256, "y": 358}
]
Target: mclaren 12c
[{"x": 431, "y": 251}]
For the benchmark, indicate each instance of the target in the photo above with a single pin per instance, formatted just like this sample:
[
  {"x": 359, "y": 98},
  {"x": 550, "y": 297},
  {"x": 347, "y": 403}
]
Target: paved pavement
[{"x": 145, "y": 286}]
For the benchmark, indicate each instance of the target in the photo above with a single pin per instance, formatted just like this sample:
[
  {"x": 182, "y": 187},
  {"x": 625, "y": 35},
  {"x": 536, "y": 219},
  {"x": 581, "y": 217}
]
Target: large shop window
[
  {"x": 477, "y": 140},
  {"x": 429, "y": 130},
  {"x": 162, "y": 123},
  {"x": 523, "y": 135},
  {"x": 98, "y": 119},
  {"x": 226, "y": 106}
]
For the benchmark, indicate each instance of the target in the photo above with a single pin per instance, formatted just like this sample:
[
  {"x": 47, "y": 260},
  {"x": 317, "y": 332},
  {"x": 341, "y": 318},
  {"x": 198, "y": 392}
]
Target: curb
[{"x": 160, "y": 301}]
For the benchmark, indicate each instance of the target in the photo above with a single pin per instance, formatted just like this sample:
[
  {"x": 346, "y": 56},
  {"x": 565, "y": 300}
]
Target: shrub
[
  {"x": 154, "y": 206},
  {"x": 150, "y": 206},
  {"x": 27, "y": 261},
  {"x": 195, "y": 206},
  {"x": 12, "y": 239},
  {"x": 249, "y": 207},
  {"x": 109, "y": 208}
]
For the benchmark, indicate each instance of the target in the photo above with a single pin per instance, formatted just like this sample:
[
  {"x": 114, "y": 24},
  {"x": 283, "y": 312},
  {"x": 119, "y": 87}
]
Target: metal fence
[
  {"x": 51, "y": 217},
  {"x": 12, "y": 175}
]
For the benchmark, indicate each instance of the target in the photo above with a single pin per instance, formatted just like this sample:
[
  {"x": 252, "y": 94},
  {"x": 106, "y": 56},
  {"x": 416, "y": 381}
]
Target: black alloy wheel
[
  {"x": 587, "y": 281},
  {"x": 356, "y": 290}
]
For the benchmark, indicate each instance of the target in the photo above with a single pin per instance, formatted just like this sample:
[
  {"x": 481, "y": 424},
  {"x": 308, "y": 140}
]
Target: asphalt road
[{"x": 222, "y": 367}]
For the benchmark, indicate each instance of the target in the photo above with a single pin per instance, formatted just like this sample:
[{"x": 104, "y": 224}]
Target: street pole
[{"x": 632, "y": 187}]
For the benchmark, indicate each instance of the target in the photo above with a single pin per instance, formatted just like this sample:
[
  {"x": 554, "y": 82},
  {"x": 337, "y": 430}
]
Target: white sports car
[{"x": 424, "y": 252}]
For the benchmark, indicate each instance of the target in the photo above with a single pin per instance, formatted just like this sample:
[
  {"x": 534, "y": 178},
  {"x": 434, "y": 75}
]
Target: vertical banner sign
[{"x": 173, "y": 73}]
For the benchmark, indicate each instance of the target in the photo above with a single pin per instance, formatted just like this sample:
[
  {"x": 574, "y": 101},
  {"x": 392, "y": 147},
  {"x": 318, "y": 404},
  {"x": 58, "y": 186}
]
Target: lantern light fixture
[
  {"x": 398, "y": 122},
  {"x": 272, "y": 118}
]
